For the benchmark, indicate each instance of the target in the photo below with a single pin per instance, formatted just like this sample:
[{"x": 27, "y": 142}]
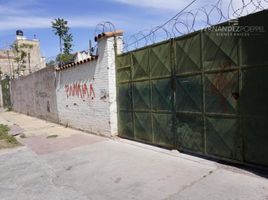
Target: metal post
[
  {"x": 9, "y": 66},
  {"x": 29, "y": 62}
]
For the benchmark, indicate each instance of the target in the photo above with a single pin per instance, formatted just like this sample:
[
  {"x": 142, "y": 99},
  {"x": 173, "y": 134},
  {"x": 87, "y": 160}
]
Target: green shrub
[
  {"x": 5, "y": 136},
  {"x": 3, "y": 131}
]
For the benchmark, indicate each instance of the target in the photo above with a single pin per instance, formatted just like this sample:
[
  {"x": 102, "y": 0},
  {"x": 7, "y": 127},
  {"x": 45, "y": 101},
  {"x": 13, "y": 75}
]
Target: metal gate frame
[{"x": 191, "y": 93}]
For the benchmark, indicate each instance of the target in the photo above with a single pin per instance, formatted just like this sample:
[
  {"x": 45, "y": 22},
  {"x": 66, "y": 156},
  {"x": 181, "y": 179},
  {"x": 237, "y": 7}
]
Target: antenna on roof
[{"x": 91, "y": 49}]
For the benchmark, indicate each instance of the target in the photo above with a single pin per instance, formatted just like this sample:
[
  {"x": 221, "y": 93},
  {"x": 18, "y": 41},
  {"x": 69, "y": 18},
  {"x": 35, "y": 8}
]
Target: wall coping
[
  {"x": 108, "y": 34},
  {"x": 73, "y": 64}
]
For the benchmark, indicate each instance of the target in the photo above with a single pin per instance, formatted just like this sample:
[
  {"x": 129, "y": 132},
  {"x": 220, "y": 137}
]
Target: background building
[
  {"x": 32, "y": 60},
  {"x": 81, "y": 55},
  {"x": 6, "y": 62}
]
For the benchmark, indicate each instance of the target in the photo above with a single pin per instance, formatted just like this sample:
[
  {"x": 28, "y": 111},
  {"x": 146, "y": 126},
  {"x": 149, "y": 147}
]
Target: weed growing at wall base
[{"x": 6, "y": 140}]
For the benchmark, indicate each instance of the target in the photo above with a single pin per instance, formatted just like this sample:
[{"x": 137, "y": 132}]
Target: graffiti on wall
[
  {"x": 225, "y": 85},
  {"x": 81, "y": 90}
]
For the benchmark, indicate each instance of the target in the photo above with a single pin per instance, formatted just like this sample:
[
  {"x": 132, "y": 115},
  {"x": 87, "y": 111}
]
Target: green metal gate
[{"x": 205, "y": 92}]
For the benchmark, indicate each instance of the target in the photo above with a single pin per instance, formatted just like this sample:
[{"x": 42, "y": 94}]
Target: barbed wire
[
  {"x": 105, "y": 26},
  {"x": 187, "y": 21}
]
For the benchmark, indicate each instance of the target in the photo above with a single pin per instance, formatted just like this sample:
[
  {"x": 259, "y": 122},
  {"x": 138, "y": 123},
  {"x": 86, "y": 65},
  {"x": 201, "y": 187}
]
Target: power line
[
  {"x": 185, "y": 22},
  {"x": 159, "y": 27}
]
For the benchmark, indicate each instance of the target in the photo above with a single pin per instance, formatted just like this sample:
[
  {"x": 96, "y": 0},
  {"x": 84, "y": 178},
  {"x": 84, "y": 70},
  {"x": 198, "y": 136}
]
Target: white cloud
[
  {"x": 15, "y": 16},
  {"x": 16, "y": 22},
  {"x": 177, "y": 5},
  {"x": 161, "y": 4},
  {"x": 24, "y": 22},
  {"x": 83, "y": 21},
  {"x": 6, "y": 10}
]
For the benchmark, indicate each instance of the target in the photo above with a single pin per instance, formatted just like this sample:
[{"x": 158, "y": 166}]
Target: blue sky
[{"x": 34, "y": 18}]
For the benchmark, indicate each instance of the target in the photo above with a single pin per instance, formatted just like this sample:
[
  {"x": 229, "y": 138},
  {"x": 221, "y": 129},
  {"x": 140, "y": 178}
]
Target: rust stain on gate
[{"x": 202, "y": 92}]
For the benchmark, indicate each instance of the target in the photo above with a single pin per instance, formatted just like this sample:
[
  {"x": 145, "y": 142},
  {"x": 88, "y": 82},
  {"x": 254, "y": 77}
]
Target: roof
[
  {"x": 109, "y": 34},
  {"x": 83, "y": 51},
  {"x": 73, "y": 64},
  {"x": 98, "y": 37}
]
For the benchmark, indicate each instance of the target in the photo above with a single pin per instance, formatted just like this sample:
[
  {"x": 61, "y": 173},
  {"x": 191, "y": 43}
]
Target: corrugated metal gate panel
[
  {"x": 254, "y": 91},
  {"x": 190, "y": 132},
  {"x": 254, "y": 111},
  {"x": 145, "y": 96},
  {"x": 203, "y": 93},
  {"x": 124, "y": 93}
]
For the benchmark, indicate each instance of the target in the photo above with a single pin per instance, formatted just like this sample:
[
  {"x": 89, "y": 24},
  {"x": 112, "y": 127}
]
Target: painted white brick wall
[
  {"x": 96, "y": 111},
  {"x": 112, "y": 80},
  {"x": 1, "y": 97}
]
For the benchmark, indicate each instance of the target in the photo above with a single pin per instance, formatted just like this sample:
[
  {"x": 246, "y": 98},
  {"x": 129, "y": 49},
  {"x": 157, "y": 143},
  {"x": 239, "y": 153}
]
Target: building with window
[{"x": 32, "y": 57}]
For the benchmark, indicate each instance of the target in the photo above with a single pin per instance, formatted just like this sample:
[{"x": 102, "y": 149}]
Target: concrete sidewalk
[{"x": 80, "y": 166}]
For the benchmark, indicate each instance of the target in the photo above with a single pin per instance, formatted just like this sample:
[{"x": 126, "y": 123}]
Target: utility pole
[
  {"x": 90, "y": 48},
  {"x": 8, "y": 57},
  {"x": 29, "y": 62},
  {"x": 9, "y": 66},
  {"x": 13, "y": 71}
]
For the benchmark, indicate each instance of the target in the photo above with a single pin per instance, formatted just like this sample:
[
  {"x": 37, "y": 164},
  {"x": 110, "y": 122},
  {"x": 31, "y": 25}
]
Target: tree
[
  {"x": 65, "y": 58},
  {"x": 60, "y": 28},
  {"x": 51, "y": 63},
  {"x": 21, "y": 52},
  {"x": 67, "y": 43},
  {"x": 27, "y": 48}
]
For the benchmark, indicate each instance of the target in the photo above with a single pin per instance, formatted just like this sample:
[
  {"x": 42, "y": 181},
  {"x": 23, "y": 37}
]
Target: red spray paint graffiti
[
  {"x": 223, "y": 86},
  {"x": 80, "y": 90}
]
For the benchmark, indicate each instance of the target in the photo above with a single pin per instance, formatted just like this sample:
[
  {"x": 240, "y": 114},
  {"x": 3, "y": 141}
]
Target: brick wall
[
  {"x": 35, "y": 95},
  {"x": 82, "y": 96},
  {"x": 86, "y": 94}
]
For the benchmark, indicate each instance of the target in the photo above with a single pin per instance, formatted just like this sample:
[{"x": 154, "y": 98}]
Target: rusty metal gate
[{"x": 206, "y": 92}]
